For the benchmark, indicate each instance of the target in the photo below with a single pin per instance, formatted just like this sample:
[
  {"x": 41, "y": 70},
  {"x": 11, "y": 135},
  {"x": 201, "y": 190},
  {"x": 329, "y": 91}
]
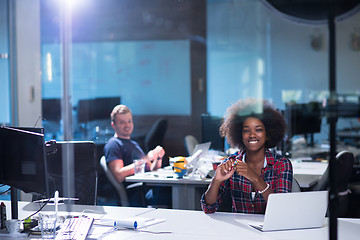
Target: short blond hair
[{"x": 119, "y": 109}]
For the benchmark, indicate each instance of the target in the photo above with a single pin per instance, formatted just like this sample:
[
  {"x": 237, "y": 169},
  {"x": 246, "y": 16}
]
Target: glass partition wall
[
  {"x": 149, "y": 55},
  {"x": 183, "y": 59},
  {"x": 5, "y": 96}
]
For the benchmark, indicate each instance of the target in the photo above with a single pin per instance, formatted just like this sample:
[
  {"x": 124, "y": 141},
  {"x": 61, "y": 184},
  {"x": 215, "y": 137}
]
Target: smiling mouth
[{"x": 253, "y": 141}]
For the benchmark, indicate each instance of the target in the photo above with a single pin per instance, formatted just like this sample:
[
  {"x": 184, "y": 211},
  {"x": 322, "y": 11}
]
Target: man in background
[{"x": 120, "y": 151}]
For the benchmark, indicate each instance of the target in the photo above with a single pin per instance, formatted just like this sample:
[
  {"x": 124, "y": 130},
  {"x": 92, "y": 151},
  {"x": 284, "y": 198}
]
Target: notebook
[{"x": 287, "y": 211}]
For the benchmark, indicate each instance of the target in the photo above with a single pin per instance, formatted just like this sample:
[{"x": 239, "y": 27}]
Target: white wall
[
  {"x": 28, "y": 61},
  {"x": 28, "y": 65}
]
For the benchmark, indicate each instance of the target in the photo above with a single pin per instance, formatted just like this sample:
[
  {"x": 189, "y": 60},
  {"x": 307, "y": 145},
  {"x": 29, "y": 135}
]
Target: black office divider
[{"x": 85, "y": 171}]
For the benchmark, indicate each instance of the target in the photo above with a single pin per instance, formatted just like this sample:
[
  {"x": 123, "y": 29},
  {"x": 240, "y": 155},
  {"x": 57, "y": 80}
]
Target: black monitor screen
[
  {"x": 210, "y": 131},
  {"x": 303, "y": 118},
  {"x": 51, "y": 109},
  {"x": 22, "y": 159},
  {"x": 85, "y": 165},
  {"x": 96, "y": 109}
]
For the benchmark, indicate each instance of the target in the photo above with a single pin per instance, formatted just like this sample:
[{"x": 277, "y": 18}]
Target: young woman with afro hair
[{"x": 254, "y": 172}]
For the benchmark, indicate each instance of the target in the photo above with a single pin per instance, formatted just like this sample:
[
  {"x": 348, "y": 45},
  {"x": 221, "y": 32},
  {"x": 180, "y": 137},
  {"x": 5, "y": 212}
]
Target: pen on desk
[{"x": 150, "y": 219}]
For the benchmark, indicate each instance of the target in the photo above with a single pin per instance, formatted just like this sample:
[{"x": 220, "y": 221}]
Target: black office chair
[
  {"x": 345, "y": 160},
  {"x": 156, "y": 135},
  {"x": 85, "y": 171},
  {"x": 121, "y": 189}
]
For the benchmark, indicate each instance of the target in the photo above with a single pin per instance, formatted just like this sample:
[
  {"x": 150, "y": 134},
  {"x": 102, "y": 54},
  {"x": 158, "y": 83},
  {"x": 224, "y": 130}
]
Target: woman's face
[{"x": 253, "y": 134}]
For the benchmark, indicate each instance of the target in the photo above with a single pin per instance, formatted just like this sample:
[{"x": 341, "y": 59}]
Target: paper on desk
[{"x": 141, "y": 222}]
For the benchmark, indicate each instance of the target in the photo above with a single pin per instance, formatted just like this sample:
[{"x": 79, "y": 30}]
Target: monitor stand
[
  {"x": 14, "y": 203},
  {"x": 311, "y": 144}
]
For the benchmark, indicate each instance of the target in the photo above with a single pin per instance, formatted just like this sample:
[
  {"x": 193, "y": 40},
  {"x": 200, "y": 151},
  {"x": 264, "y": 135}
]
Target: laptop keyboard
[{"x": 75, "y": 228}]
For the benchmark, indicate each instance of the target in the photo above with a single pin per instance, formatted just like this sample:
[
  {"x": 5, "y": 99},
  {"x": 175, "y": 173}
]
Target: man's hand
[{"x": 155, "y": 156}]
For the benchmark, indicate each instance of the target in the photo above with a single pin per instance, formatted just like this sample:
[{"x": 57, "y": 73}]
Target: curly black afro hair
[{"x": 237, "y": 113}]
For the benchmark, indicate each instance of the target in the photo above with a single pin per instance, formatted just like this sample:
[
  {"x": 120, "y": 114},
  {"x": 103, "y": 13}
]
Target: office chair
[
  {"x": 85, "y": 170},
  {"x": 345, "y": 160},
  {"x": 156, "y": 134},
  {"x": 190, "y": 142},
  {"x": 120, "y": 187},
  {"x": 295, "y": 186}
]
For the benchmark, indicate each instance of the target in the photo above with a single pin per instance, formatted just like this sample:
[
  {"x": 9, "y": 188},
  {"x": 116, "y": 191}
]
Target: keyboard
[{"x": 75, "y": 228}]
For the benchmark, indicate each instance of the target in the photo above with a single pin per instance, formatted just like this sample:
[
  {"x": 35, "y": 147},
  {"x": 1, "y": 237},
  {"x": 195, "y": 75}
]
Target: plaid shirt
[{"x": 277, "y": 173}]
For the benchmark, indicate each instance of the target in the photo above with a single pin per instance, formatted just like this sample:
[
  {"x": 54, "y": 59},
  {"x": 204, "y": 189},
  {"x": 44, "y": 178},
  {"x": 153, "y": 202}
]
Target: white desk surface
[
  {"x": 185, "y": 224},
  {"x": 309, "y": 168},
  {"x": 308, "y": 173}
]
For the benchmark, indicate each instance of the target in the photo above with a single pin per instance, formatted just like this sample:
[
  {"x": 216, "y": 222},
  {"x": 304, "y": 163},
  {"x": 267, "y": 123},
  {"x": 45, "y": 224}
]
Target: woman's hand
[
  {"x": 224, "y": 171},
  {"x": 243, "y": 169}
]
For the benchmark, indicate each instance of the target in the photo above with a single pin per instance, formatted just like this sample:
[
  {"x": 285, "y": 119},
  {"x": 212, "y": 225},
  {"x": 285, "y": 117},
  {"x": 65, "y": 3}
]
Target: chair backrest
[
  {"x": 295, "y": 186},
  {"x": 345, "y": 160},
  {"x": 120, "y": 188},
  {"x": 156, "y": 134},
  {"x": 190, "y": 142},
  {"x": 85, "y": 170},
  {"x": 345, "y": 164}
]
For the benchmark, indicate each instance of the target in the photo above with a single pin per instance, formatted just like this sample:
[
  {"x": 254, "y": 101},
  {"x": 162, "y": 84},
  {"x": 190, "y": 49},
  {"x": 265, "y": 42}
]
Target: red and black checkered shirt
[{"x": 277, "y": 173}]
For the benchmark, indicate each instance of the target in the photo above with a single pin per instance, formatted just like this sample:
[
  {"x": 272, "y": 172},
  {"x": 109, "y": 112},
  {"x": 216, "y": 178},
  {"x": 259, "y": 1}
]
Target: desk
[
  {"x": 306, "y": 152},
  {"x": 182, "y": 224},
  {"x": 186, "y": 192},
  {"x": 308, "y": 173}
]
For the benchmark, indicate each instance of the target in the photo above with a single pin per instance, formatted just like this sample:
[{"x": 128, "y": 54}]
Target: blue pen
[{"x": 234, "y": 164}]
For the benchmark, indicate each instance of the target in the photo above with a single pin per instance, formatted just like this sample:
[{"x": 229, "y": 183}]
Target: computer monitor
[
  {"x": 96, "y": 109},
  {"x": 343, "y": 105},
  {"x": 210, "y": 131},
  {"x": 23, "y": 159},
  {"x": 84, "y": 166},
  {"x": 51, "y": 109},
  {"x": 303, "y": 119}
]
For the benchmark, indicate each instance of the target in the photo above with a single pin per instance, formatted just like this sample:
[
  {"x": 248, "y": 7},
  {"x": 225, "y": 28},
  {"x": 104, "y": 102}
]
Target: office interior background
[{"x": 173, "y": 59}]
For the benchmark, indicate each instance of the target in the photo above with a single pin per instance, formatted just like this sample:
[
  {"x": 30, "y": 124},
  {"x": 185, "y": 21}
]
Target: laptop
[
  {"x": 298, "y": 210},
  {"x": 204, "y": 147}
]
